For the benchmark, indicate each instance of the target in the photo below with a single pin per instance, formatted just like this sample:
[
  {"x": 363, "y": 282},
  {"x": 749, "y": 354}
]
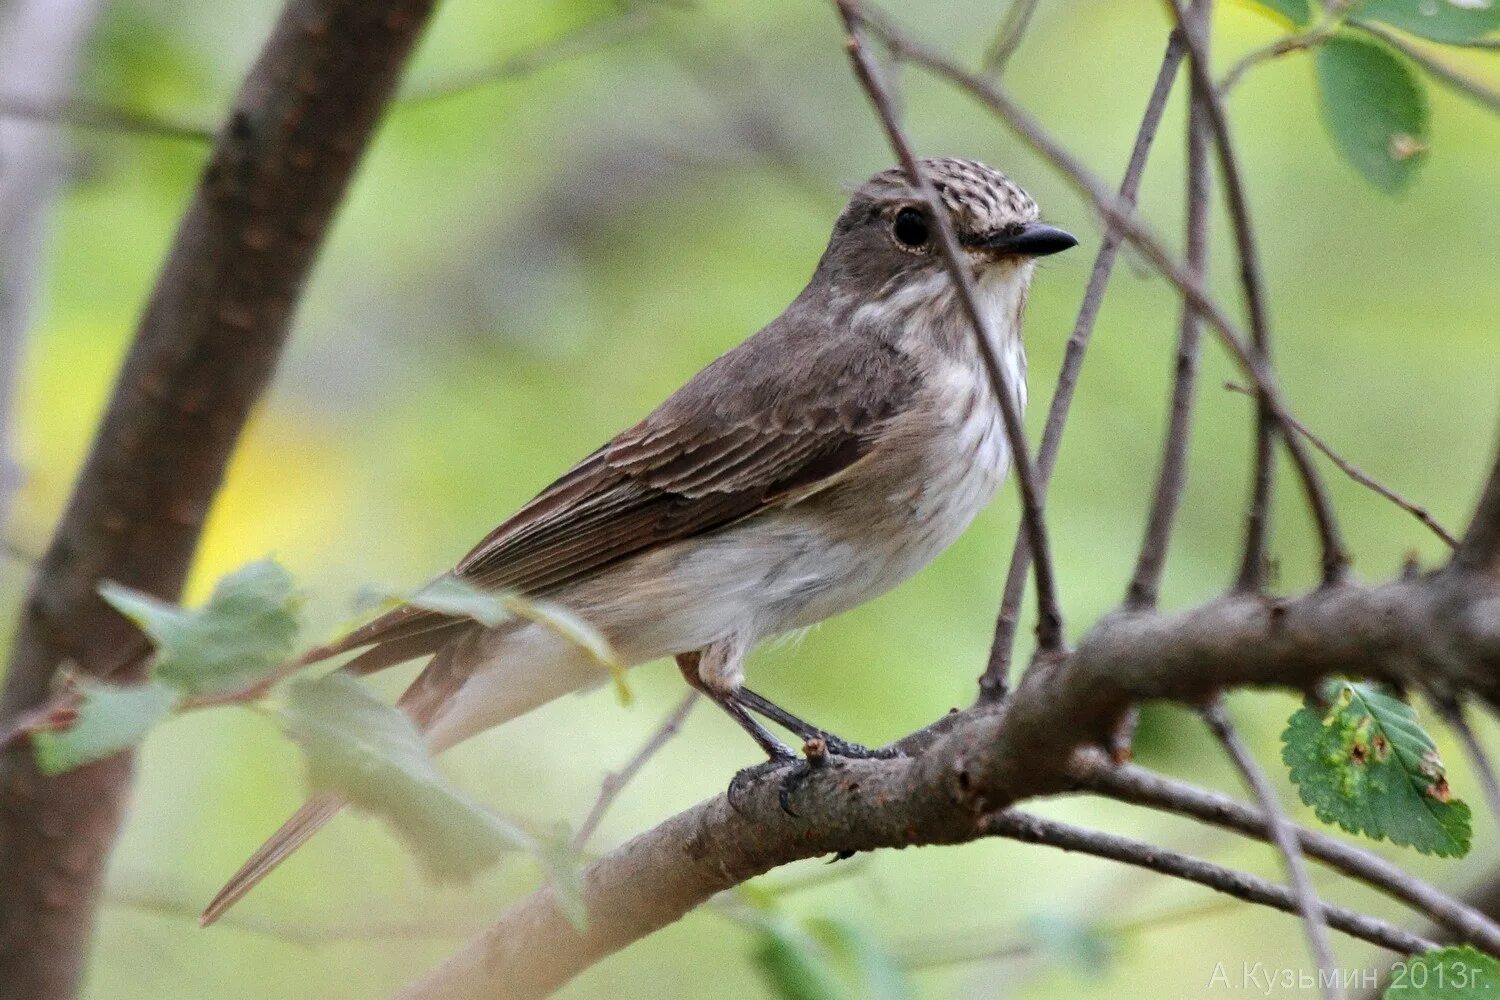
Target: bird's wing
[{"x": 744, "y": 436}]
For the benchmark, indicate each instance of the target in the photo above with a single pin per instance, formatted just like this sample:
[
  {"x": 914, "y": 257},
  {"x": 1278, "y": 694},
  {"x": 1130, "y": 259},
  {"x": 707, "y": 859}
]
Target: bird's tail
[
  {"x": 305, "y": 822},
  {"x": 522, "y": 669}
]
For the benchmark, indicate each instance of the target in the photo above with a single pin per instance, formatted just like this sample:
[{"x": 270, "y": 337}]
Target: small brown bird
[{"x": 813, "y": 467}]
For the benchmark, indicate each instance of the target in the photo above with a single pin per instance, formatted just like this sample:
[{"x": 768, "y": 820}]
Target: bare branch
[
  {"x": 1151, "y": 247},
  {"x": 1438, "y": 70},
  {"x": 1357, "y": 474},
  {"x": 204, "y": 351},
  {"x": 81, "y": 114},
  {"x": 1049, "y": 616},
  {"x": 614, "y": 783},
  {"x": 1480, "y": 549},
  {"x": 1452, "y": 711},
  {"x": 1033, "y": 829},
  {"x": 1139, "y": 786},
  {"x": 1008, "y": 39},
  {"x": 1172, "y": 475},
  {"x": 1285, "y": 838},
  {"x": 587, "y": 39},
  {"x": 982, "y": 760},
  {"x": 923, "y": 954},
  {"x": 1253, "y": 564},
  {"x": 992, "y": 684}
]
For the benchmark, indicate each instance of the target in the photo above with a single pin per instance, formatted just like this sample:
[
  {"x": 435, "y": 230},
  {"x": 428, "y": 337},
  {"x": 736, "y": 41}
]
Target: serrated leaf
[
  {"x": 1297, "y": 12},
  {"x": 826, "y": 959},
  {"x": 452, "y": 596},
  {"x": 372, "y": 754},
  {"x": 1439, "y": 20},
  {"x": 110, "y": 718},
  {"x": 1368, "y": 766},
  {"x": 1375, "y": 108},
  {"x": 247, "y": 629},
  {"x": 1460, "y": 973}
]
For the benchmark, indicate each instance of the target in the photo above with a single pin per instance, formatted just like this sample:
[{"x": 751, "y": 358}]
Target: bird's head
[{"x": 885, "y": 248}]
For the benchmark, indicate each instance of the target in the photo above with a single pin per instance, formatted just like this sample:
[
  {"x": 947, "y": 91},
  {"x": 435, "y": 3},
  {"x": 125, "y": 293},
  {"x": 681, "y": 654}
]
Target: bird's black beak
[{"x": 1035, "y": 239}]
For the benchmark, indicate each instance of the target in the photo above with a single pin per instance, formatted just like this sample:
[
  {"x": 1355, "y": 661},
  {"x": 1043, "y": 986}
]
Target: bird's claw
[
  {"x": 816, "y": 753},
  {"x": 746, "y": 777}
]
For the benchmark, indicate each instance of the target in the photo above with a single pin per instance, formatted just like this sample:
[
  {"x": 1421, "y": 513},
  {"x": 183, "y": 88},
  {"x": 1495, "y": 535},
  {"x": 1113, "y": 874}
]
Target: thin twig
[
  {"x": 1253, "y": 564},
  {"x": 79, "y": 114},
  {"x": 946, "y": 951},
  {"x": 1143, "y": 787},
  {"x": 992, "y": 684},
  {"x": 585, "y": 40},
  {"x": 1032, "y": 829},
  {"x": 1452, "y": 711},
  {"x": 1357, "y": 474},
  {"x": 295, "y": 932},
  {"x": 615, "y": 781},
  {"x": 1285, "y": 838},
  {"x": 1479, "y": 551},
  {"x": 1440, "y": 71},
  {"x": 1049, "y": 616},
  {"x": 1008, "y": 39},
  {"x": 1151, "y": 246},
  {"x": 1171, "y": 477}
]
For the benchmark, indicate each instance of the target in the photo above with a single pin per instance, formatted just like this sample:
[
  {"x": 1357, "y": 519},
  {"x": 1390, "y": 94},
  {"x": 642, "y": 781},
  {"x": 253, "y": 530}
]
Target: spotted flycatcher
[{"x": 813, "y": 467}]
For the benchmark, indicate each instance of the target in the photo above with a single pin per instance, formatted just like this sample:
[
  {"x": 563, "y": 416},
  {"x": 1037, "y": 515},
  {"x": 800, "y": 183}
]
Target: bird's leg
[
  {"x": 691, "y": 665},
  {"x": 835, "y": 745}
]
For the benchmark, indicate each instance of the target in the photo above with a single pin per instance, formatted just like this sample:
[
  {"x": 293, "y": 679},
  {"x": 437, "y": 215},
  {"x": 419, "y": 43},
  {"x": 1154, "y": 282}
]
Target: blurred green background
[{"x": 526, "y": 267}]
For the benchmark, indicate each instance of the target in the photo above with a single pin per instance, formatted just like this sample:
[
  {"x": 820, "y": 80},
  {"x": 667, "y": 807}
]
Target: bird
[{"x": 813, "y": 467}]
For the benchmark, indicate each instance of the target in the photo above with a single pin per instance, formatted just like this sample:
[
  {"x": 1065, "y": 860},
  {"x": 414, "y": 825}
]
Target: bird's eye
[{"x": 910, "y": 228}]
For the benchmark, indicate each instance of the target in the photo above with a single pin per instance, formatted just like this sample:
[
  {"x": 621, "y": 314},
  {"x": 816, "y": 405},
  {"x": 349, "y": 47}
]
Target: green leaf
[
  {"x": 1298, "y": 12},
  {"x": 564, "y": 869},
  {"x": 1439, "y": 20},
  {"x": 1446, "y": 974},
  {"x": 1367, "y": 765},
  {"x": 372, "y": 754},
  {"x": 453, "y": 596},
  {"x": 247, "y": 629},
  {"x": 826, "y": 959},
  {"x": 110, "y": 718},
  {"x": 1375, "y": 109},
  {"x": 1075, "y": 944}
]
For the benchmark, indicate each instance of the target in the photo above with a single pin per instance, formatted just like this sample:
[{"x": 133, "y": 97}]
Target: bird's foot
[
  {"x": 746, "y": 777},
  {"x": 836, "y": 747}
]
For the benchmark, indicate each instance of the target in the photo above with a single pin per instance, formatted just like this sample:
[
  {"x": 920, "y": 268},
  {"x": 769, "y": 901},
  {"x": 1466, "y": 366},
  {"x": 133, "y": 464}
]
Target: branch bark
[
  {"x": 986, "y": 758},
  {"x": 1136, "y": 785},
  {"x": 205, "y": 349}
]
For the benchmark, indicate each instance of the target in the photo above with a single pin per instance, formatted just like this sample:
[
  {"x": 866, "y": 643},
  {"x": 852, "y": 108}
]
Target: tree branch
[
  {"x": 1172, "y": 474},
  {"x": 205, "y": 349},
  {"x": 1049, "y": 615},
  {"x": 983, "y": 760},
  {"x": 1438, "y": 70},
  {"x": 1032, "y": 829},
  {"x": 1008, "y": 39},
  {"x": 992, "y": 684},
  {"x": 1360, "y": 476},
  {"x": 1285, "y": 838},
  {"x": 1479, "y": 551},
  {"x": 614, "y": 783},
  {"x": 1257, "y": 530},
  {"x": 1136, "y": 785}
]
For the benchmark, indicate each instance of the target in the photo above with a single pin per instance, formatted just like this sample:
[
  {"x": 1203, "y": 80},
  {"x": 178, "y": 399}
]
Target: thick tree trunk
[{"x": 204, "y": 351}]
